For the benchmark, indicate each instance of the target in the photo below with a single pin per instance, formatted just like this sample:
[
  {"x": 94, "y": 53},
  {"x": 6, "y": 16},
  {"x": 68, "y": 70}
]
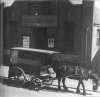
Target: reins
[{"x": 74, "y": 75}]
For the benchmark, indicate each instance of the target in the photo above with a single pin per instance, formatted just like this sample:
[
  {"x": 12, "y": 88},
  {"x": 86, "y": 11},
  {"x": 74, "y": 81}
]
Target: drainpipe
[
  {"x": 1, "y": 34},
  {"x": 87, "y": 29}
]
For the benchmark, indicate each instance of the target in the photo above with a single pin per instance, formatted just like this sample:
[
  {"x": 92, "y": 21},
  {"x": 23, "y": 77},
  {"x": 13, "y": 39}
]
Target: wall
[
  {"x": 67, "y": 39},
  {"x": 39, "y": 35},
  {"x": 11, "y": 30},
  {"x": 96, "y": 20},
  {"x": 1, "y": 33},
  {"x": 87, "y": 23}
]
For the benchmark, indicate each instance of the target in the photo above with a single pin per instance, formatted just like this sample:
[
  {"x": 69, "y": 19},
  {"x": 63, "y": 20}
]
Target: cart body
[{"x": 29, "y": 60}]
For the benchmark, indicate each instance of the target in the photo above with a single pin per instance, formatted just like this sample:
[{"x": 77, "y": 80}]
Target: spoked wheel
[
  {"x": 19, "y": 76},
  {"x": 47, "y": 81},
  {"x": 36, "y": 83},
  {"x": 37, "y": 86}
]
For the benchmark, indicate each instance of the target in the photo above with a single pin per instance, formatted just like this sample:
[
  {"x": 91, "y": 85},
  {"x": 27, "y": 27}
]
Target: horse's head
[{"x": 95, "y": 81}]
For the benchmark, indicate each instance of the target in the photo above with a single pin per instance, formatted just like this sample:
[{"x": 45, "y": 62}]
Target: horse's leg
[
  {"x": 78, "y": 90},
  {"x": 84, "y": 91},
  {"x": 64, "y": 86},
  {"x": 59, "y": 88}
]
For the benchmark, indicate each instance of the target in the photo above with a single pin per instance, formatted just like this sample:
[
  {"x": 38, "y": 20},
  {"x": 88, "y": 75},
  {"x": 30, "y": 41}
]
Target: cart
[{"x": 32, "y": 66}]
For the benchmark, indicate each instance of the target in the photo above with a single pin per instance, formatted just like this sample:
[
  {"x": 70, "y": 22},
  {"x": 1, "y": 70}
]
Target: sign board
[
  {"x": 14, "y": 56},
  {"x": 51, "y": 43},
  {"x": 39, "y": 20},
  {"x": 26, "y": 41}
]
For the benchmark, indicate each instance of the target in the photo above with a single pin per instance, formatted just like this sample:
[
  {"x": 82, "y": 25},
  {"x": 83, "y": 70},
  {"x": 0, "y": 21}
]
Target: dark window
[
  {"x": 69, "y": 36},
  {"x": 98, "y": 37}
]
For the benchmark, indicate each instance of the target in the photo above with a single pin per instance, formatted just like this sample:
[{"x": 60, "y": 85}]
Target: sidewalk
[{"x": 4, "y": 71}]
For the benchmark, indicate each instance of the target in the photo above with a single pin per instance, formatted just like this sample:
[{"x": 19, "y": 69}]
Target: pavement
[
  {"x": 4, "y": 74},
  {"x": 4, "y": 71},
  {"x": 71, "y": 84}
]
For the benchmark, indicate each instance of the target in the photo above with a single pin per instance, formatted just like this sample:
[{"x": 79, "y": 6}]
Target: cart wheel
[
  {"x": 19, "y": 75},
  {"x": 36, "y": 83},
  {"x": 37, "y": 86},
  {"x": 48, "y": 81}
]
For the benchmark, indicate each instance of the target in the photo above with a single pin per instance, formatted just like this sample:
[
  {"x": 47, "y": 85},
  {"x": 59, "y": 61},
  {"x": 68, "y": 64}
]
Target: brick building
[{"x": 36, "y": 23}]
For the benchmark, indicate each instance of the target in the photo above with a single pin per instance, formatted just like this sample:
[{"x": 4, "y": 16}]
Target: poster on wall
[
  {"x": 26, "y": 41},
  {"x": 50, "y": 43}
]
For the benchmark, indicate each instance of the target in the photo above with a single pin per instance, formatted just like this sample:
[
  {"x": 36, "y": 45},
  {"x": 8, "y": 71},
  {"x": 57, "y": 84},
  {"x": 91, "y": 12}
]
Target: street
[
  {"x": 51, "y": 91},
  {"x": 13, "y": 90}
]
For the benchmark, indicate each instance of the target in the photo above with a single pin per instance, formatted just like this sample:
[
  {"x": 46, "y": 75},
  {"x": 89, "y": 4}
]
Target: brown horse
[{"x": 75, "y": 72}]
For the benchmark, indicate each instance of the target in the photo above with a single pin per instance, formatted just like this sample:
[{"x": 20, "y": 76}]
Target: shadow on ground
[{"x": 29, "y": 86}]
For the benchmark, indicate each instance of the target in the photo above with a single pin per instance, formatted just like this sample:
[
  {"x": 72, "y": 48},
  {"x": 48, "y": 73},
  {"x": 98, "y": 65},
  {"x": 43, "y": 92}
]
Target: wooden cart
[{"x": 26, "y": 63}]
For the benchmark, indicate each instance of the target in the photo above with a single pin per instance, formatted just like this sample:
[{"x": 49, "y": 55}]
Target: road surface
[{"x": 51, "y": 91}]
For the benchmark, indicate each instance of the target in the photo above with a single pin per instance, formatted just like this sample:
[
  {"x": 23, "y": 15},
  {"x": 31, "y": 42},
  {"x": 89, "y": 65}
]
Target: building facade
[{"x": 55, "y": 25}]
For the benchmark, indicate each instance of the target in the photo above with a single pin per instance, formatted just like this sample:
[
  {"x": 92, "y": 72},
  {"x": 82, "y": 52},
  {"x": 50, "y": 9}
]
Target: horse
[{"x": 74, "y": 72}]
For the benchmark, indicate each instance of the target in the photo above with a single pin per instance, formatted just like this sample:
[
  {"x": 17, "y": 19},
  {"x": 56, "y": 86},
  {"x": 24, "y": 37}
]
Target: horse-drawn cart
[
  {"x": 34, "y": 66},
  {"x": 31, "y": 65}
]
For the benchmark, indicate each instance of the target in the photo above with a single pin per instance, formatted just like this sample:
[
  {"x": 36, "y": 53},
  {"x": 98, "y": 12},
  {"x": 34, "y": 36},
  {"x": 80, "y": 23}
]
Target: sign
[
  {"x": 39, "y": 20},
  {"x": 14, "y": 56},
  {"x": 51, "y": 43},
  {"x": 26, "y": 41}
]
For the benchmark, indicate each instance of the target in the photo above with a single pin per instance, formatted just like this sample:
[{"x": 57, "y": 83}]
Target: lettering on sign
[
  {"x": 39, "y": 21},
  {"x": 26, "y": 41}
]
